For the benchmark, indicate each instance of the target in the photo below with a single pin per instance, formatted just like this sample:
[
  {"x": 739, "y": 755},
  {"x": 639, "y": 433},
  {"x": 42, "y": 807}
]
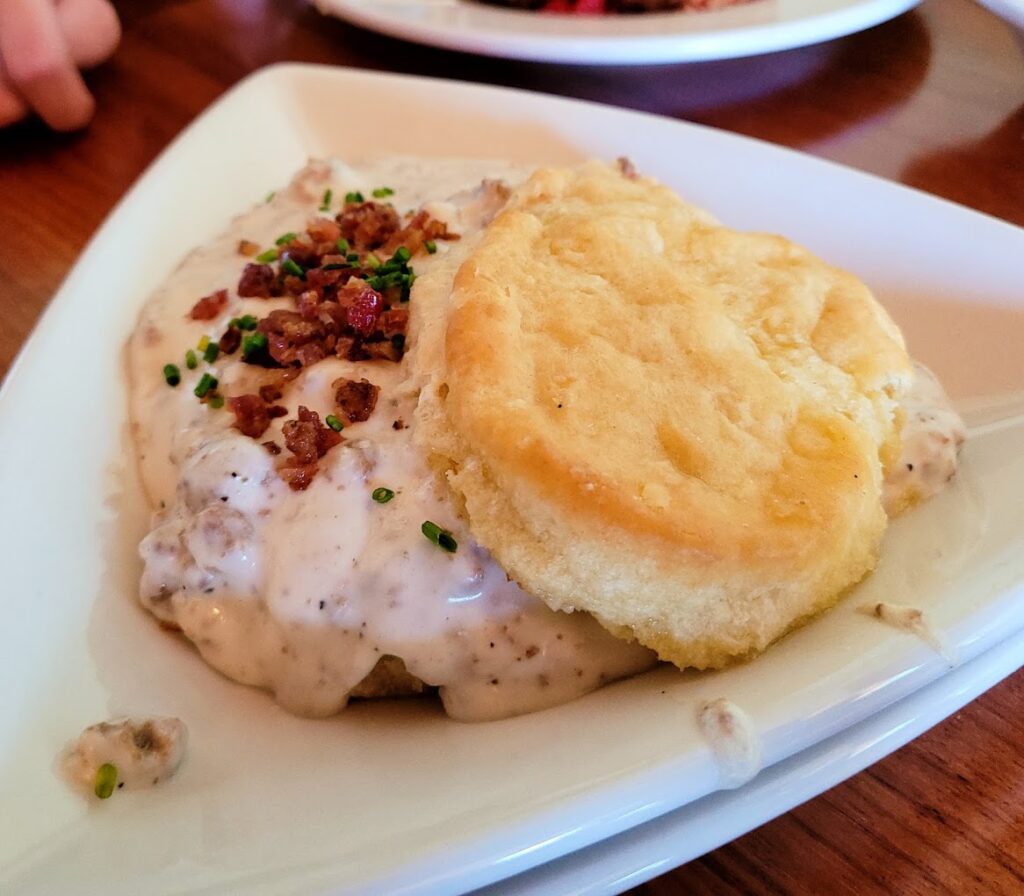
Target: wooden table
[{"x": 934, "y": 99}]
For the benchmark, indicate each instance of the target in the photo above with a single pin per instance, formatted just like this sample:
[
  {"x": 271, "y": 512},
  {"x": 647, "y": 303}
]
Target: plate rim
[{"x": 519, "y": 39}]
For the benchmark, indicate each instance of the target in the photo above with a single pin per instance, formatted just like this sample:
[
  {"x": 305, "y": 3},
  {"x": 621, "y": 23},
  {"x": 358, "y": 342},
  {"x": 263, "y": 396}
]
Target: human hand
[{"x": 43, "y": 44}]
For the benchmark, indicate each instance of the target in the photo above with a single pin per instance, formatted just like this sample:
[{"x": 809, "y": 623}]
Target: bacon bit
[
  {"x": 257, "y": 281},
  {"x": 229, "y": 342},
  {"x": 251, "y": 417},
  {"x": 308, "y": 304},
  {"x": 318, "y": 281},
  {"x": 394, "y": 321},
  {"x": 363, "y": 308},
  {"x": 416, "y": 233},
  {"x": 308, "y": 440},
  {"x": 294, "y": 286},
  {"x": 307, "y": 437},
  {"x": 350, "y": 348},
  {"x": 270, "y": 393},
  {"x": 298, "y": 476},
  {"x": 272, "y": 447},
  {"x": 387, "y": 351},
  {"x": 626, "y": 168},
  {"x": 356, "y": 400},
  {"x": 398, "y": 424},
  {"x": 324, "y": 230},
  {"x": 277, "y": 410},
  {"x": 209, "y": 307},
  {"x": 368, "y": 225},
  {"x": 248, "y": 248},
  {"x": 292, "y": 339}
]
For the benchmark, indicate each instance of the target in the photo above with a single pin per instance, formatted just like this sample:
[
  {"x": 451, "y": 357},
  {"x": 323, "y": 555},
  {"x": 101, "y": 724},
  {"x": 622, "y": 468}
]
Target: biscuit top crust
[{"x": 627, "y": 381}]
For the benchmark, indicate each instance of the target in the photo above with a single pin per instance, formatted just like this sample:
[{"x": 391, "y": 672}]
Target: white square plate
[{"x": 395, "y": 795}]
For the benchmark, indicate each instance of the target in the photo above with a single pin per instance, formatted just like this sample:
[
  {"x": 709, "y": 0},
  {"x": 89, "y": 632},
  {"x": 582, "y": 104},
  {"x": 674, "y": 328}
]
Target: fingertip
[
  {"x": 71, "y": 115},
  {"x": 39, "y": 66},
  {"x": 12, "y": 107},
  {"x": 91, "y": 29}
]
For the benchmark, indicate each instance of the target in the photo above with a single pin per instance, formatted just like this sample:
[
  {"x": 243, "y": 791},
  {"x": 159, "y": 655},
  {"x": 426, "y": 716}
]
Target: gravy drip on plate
[
  {"x": 303, "y": 592},
  {"x": 931, "y": 438}
]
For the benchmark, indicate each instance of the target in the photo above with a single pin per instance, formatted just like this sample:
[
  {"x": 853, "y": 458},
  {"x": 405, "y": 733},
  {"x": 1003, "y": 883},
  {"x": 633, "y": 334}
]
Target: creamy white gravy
[
  {"x": 143, "y": 752},
  {"x": 931, "y": 438},
  {"x": 303, "y": 592}
]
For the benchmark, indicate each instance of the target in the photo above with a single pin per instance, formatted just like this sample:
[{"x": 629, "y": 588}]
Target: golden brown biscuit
[{"x": 675, "y": 426}]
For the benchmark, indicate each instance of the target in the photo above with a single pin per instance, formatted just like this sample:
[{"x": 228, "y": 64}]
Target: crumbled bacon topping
[
  {"x": 418, "y": 231},
  {"x": 356, "y": 400},
  {"x": 293, "y": 339},
  {"x": 363, "y": 309},
  {"x": 257, "y": 281},
  {"x": 394, "y": 322},
  {"x": 368, "y": 225},
  {"x": 251, "y": 417},
  {"x": 348, "y": 302},
  {"x": 211, "y": 306},
  {"x": 229, "y": 342},
  {"x": 308, "y": 439},
  {"x": 626, "y": 168}
]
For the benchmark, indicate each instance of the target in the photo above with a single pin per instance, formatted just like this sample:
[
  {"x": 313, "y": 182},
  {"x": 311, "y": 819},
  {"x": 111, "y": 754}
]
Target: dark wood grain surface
[{"x": 934, "y": 99}]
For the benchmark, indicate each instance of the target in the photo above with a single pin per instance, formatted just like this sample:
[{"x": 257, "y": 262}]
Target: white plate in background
[
  {"x": 393, "y": 795},
  {"x": 760, "y": 26},
  {"x": 1010, "y": 10}
]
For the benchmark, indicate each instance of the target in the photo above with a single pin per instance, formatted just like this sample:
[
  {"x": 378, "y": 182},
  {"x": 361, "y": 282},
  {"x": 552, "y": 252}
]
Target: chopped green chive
[
  {"x": 205, "y": 385},
  {"x": 172, "y": 374},
  {"x": 342, "y": 245},
  {"x": 354, "y": 196},
  {"x": 191, "y": 362},
  {"x": 325, "y": 203},
  {"x": 352, "y": 257},
  {"x": 441, "y": 537},
  {"x": 382, "y": 495},
  {"x": 285, "y": 238},
  {"x": 245, "y": 322},
  {"x": 203, "y": 342},
  {"x": 372, "y": 261},
  {"x": 381, "y": 192},
  {"x": 106, "y": 780},
  {"x": 291, "y": 267},
  {"x": 334, "y": 423},
  {"x": 267, "y": 257},
  {"x": 216, "y": 401},
  {"x": 431, "y": 246},
  {"x": 402, "y": 255},
  {"x": 252, "y": 345},
  {"x": 210, "y": 355},
  {"x": 270, "y": 195}
]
